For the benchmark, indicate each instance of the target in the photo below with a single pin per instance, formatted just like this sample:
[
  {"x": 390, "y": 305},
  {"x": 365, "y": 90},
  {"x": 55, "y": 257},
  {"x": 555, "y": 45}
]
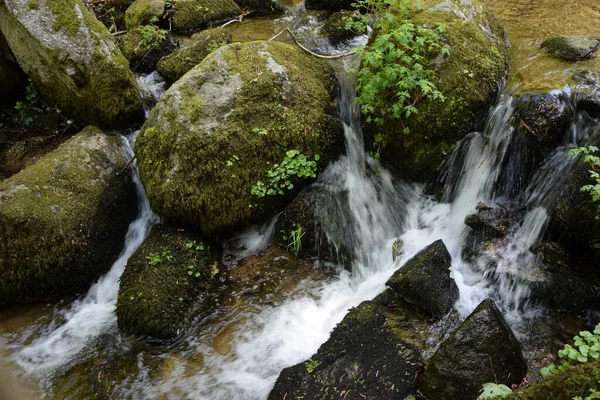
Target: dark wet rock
[
  {"x": 143, "y": 56},
  {"x": 192, "y": 53},
  {"x": 572, "y": 48},
  {"x": 72, "y": 59},
  {"x": 193, "y": 15},
  {"x": 260, "y": 7},
  {"x": 326, "y": 227},
  {"x": 167, "y": 281},
  {"x": 425, "y": 280},
  {"x": 241, "y": 111},
  {"x": 573, "y": 382},
  {"x": 587, "y": 98},
  {"x": 64, "y": 218},
  {"x": 12, "y": 77},
  {"x": 587, "y": 77},
  {"x": 144, "y": 12},
  {"x": 495, "y": 221},
  {"x": 335, "y": 27},
  {"x": 482, "y": 349},
  {"x": 363, "y": 358},
  {"x": 329, "y": 5}
]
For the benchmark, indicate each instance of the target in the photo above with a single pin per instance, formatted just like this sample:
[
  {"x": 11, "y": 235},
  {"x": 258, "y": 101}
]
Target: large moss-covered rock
[
  {"x": 426, "y": 282},
  {"x": 219, "y": 130},
  {"x": 72, "y": 59},
  {"x": 260, "y": 6},
  {"x": 143, "y": 12},
  {"x": 573, "y": 382},
  {"x": 363, "y": 358},
  {"x": 572, "y": 48},
  {"x": 330, "y": 5},
  {"x": 468, "y": 78},
  {"x": 193, "y": 15},
  {"x": 12, "y": 78},
  {"x": 175, "y": 65},
  {"x": 63, "y": 219},
  {"x": 482, "y": 349},
  {"x": 167, "y": 280},
  {"x": 143, "y": 55}
]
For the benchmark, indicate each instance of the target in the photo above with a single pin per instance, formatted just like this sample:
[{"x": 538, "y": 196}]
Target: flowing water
[{"x": 239, "y": 352}]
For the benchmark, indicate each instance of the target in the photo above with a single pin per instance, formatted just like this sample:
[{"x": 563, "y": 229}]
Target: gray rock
[
  {"x": 572, "y": 48},
  {"x": 482, "y": 349},
  {"x": 426, "y": 282}
]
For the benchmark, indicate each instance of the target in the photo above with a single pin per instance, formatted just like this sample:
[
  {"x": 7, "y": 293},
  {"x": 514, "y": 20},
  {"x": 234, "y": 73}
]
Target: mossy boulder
[
  {"x": 63, "y": 219},
  {"x": 143, "y": 55},
  {"x": 329, "y": 5},
  {"x": 72, "y": 59},
  {"x": 12, "y": 77},
  {"x": 573, "y": 382},
  {"x": 175, "y": 65},
  {"x": 166, "y": 282},
  {"x": 225, "y": 124},
  {"x": 572, "y": 48},
  {"x": 143, "y": 12},
  {"x": 192, "y": 15},
  {"x": 363, "y": 358},
  {"x": 482, "y": 349},
  {"x": 260, "y": 6},
  {"x": 425, "y": 280},
  {"x": 335, "y": 27},
  {"x": 468, "y": 78}
]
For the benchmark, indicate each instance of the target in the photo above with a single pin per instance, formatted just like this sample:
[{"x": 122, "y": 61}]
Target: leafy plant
[
  {"x": 585, "y": 346},
  {"x": 594, "y": 163},
  {"x": 195, "y": 246},
  {"x": 594, "y": 395},
  {"x": 192, "y": 271},
  {"x": 155, "y": 258},
  {"x": 280, "y": 177},
  {"x": 311, "y": 365},
  {"x": 31, "y": 109},
  {"x": 294, "y": 239},
  {"x": 260, "y": 131},
  {"x": 492, "y": 390},
  {"x": 152, "y": 35}
]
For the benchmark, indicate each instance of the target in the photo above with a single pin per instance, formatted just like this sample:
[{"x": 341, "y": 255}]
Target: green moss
[
  {"x": 33, "y": 4},
  {"x": 198, "y": 14},
  {"x": 175, "y": 65},
  {"x": 141, "y": 12},
  {"x": 66, "y": 16},
  {"x": 143, "y": 55},
  {"x": 167, "y": 280},
  {"x": 184, "y": 158}
]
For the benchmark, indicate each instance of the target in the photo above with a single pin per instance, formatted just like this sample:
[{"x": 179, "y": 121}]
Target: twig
[
  {"x": 309, "y": 51},
  {"x": 119, "y": 33},
  {"x": 127, "y": 166},
  {"x": 524, "y": 125},
  {"x": 238, "y": 19}
]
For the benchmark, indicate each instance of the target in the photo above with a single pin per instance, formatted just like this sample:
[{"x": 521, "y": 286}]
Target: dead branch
[
  {"x": 238, "y": 19},
  {"x": 309, "y": 51}
]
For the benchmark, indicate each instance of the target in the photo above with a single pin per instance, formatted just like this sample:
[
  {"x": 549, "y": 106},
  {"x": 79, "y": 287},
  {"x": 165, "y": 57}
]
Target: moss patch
[
  {"x": 193, "y": 15},
  {"x": 141, "y": 12}
]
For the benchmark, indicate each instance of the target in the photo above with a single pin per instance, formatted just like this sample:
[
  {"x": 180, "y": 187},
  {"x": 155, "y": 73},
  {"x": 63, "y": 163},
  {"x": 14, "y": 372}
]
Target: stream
[{"x": 238, "y": 352}]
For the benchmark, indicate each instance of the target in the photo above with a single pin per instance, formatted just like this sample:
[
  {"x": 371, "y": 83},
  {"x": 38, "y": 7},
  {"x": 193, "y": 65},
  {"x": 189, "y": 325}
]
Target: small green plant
[
  {"x": 152, "y": 35},
  {"x": 195, "y": 246},
  {"x": 155, "y": 258},
  {"x": 586, "y": 346},
  {"x": 294, "y": 239},
  {"x": 492, "y": 390},
  {"x": 594, "y": 395},
  {"x": 280, "y": 177},
  {"x": 192, "y": 271},
  {"x": 593, "y": 162},
  {"x": 260, "y": 131},
  {"x": 311, "y": 365},
  {"x": 31, "y": 109}
]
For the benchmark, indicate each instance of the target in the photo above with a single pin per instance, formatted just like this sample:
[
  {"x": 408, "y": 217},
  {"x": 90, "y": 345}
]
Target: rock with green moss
[
  {"x": 111, "y": 13},
  {"x": 426, "y": 282},
  {"x": 219, "y": 130},
  {"x": 482, "y": 349},
  {"x": 182, "y": 60},
  {"x": 12, "y": 78},
  {"x": 145, "y": 46},
  {"x": 572, "y": 48},
  {"x": 72, "y": 59},
  {"x": 192, "y": 15},
  {"x": 329, "y": 5},
  {"x": 468, "y": 78},
  {"x": 144, "y": 12},
  {"x": 568, "y": 384},
  {"x": 335, "y": 27},
  {"x": 260, "y": 6},
  {"x": 363, "y": 358},
  {"x": 64, "y": 218},
  {"x": 167, "y": 281}
]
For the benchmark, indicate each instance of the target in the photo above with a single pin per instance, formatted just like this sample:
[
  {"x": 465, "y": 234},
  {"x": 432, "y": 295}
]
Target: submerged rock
[
  {"x": 425, "y": 280},
  {"x": 482, "y": 349},
  {"x": 143, "y": 55},
  {"x": 335, "y": 27},
  {"x": 72, "y": 59},
  {"x": 468, "y": 78},
  {"x": 12, "y": 78},
  {"x": 330, "y": 5},
  {"x": 363, "y": 358},
  {"x": 166, "y": 282},
  {"x": 572, "y": 48},
  {"x": 210, "y": 143},
  {"x": 63, "y": 219},
  {"x": 191, "y": 15},
  {"x": 143, "y": 12},
  {"x": 175, "y": 65}
]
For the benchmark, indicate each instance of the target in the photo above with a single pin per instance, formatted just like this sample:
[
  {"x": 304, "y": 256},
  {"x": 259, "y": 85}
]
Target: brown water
[{"x": 528, "y": 23}]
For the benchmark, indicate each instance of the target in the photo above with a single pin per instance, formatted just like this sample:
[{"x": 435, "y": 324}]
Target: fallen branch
[
  {"x": 238, "y": 19},
  {"x": 309, "y": 51},
  {"x": 524, "y": 125},
  {"x": 127, "y": 166},
  {"x": 119, "y": 33}
]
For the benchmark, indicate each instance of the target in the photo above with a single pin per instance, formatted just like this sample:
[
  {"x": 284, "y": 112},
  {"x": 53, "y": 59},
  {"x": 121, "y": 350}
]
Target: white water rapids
[{"x": 380, "y": 210}]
